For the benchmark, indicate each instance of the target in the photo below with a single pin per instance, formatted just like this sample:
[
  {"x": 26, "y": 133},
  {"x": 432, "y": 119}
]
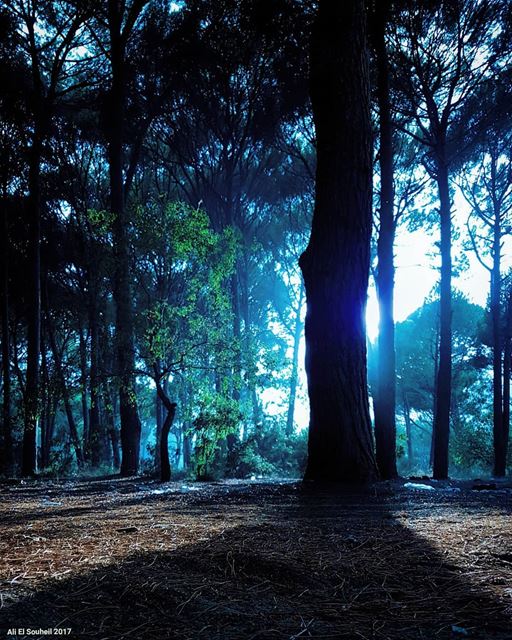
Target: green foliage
[
  {"x": 100, "y": 220},
  {"x": 181, "y": 270},
  {"x": 218, "y": 417},
  {"x": 269, "y": 452},
  {"x": 62, "y": 464}
]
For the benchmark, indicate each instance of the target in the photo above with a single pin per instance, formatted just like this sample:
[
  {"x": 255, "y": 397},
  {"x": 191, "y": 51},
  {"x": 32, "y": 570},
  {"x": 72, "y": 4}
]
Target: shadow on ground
[{"x": 322, "y": 565}]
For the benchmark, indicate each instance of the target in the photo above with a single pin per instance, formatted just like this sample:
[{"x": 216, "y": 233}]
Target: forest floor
[{"x": 116, "y": 558}]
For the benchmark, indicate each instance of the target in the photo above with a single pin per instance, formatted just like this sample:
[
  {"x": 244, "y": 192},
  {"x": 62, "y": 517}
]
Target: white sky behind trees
[{"x": 417, "y": 264}]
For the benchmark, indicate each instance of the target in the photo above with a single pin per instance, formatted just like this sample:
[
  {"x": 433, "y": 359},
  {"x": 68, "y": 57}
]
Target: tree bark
[
  {"x": 444, "y": 373},
  {"x": 336, "y": 262},
  {"x": 125, "y": 350},
  {"x": 385, "y": 401}
]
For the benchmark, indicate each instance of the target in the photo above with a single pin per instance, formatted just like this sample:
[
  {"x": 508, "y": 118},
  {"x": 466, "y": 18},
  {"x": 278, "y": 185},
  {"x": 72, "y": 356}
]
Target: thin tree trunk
[
  {"x": 336, "y": 262},
  {"x": 83, "y": 392},
  {"x": 436, "y": 369},
  {"x": 187, "y": 446},
  {"x": 113, "y": 433},
  {"x": 48, "y": 413},
  {"x": 507, "y": 356},
  {"x": 497, "y": 369},
  {"x": 408, "y": 430},
  {"x": 232, "y": 438},
  {"x": 44, "y": 456},
  {"x": 294, "y": 378},
  {"x": 250, "y": 366},
  {"x": 98, "y": 441},
  {"x": 159, "y": 424},
  {"x": 165, "y": 466},
  {"x": 444, "y": 373},
  {"x": 385, "y": 401},
  {"x": 29, "y": 462},
  {"x": 187, "y": 451},
  {"x": 73, "y": 431},
  {"x": 7, "y": 453}
]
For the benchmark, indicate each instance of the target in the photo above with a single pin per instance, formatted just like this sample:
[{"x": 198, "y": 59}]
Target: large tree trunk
[
  {"x": 444, "y": 372},
  {"x": 6, "y": 453},
  {"x": 125, "y": 350},
  {"x": 294, "y": 378},
  {"x": 336, "y": 262},
  {"x": 385, "y": 401}
]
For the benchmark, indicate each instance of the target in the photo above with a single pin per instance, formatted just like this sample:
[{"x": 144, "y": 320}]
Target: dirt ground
[{"x": 112, "y": 559}]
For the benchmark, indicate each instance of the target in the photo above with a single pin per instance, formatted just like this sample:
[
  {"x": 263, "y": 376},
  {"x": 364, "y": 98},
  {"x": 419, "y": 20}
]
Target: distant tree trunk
[
  {"x": 294, "y": 378},
  {"x": 507, "y": 362},
  {"x": 73, "y": 431},
  {"x": 232, "y": 438},
  {"x": 336, "y": 262},
  {"x": 165, "y": 466},
  {"x": 444, "y": 372},
  {"x": 497, "y": 369},
  {"x": 125, "y": 350},
  {"x": 83, "y": 394},
  {"x": 159, "y": 424},
  {"x": 385, "y": 401},
  {"x": 250, "y": 367},
  {"x": 187, "y": 446},
  {"x": 48, "y": 412},
  {"x": 45, "y": 392},
  {"x": 47, "y": 428},
  {"x": 408, "y": 430},
  {"x": 28, "y": 461},
  {"x": 187, "y": 451},
  {"x": 161, "y": 411},
  {"x": 113, "y": 434},
  {"x": 7, "y": 453},
  {"x": 506, "y": 404},
  {"x": 98, "y": 442}
]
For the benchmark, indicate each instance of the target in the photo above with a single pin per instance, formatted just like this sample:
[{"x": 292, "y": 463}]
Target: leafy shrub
[
  {"x": 269, "y": 452},
  {"x": 218, "y": 418}
]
